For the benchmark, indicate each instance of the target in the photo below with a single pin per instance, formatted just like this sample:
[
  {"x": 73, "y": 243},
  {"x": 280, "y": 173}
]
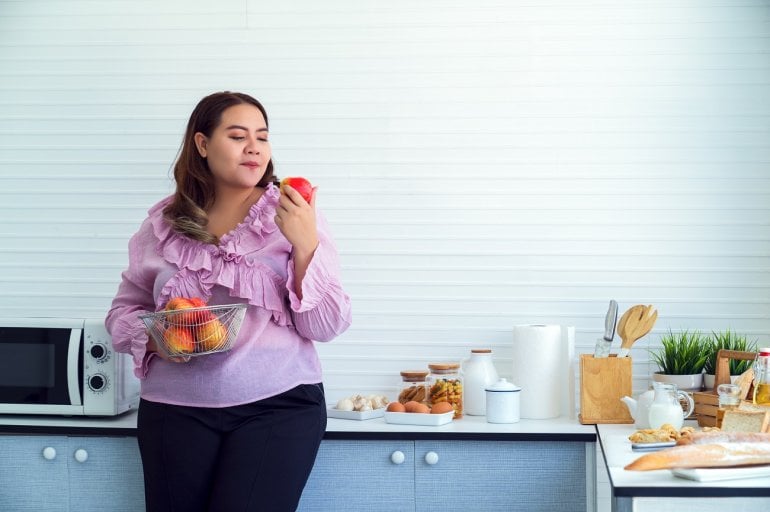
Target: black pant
[{"x": 253, "y": 457}]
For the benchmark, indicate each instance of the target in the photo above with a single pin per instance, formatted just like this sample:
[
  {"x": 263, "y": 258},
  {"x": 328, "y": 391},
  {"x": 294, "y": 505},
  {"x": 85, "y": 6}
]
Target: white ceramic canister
[
  {"x": 503, "y": 402},
  {"x": 479, "y": 373}
]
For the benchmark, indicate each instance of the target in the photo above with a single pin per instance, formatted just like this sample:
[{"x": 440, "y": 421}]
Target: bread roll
[
  {"x": 715, "y": 436},
  {"x": 715, "y": 455}
]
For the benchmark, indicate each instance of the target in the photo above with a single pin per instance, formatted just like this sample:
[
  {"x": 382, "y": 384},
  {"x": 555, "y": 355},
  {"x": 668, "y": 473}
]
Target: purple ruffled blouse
[{"x": 252, "y": 264}]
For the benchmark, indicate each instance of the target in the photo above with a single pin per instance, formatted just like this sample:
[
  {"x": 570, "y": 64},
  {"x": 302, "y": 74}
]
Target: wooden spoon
[
  {"x": 639, "y": 323},
  {"x": 621, "y": 330}
]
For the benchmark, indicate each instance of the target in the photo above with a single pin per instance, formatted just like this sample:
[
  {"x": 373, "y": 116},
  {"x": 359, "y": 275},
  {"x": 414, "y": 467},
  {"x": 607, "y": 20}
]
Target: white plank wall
[{"x": 483, "y": 164}]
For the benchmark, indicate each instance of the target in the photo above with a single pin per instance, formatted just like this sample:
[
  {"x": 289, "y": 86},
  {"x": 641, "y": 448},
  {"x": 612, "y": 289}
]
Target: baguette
[{"x": 715, "y": 455}]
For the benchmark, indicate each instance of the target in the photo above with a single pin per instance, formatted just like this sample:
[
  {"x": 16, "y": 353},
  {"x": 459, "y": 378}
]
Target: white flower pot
[{"x": 683, "y": 382}]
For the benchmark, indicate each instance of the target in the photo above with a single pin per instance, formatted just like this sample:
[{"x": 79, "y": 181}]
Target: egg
[
  {"x": 441, "y": 408},
  {"x": 410, "y": 406},
  {"x": 396, "y": 407},
  {"x": 421, "y": 409}
]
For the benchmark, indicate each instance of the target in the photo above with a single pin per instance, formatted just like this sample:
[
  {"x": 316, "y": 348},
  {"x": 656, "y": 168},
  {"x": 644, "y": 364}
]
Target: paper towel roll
[{"x": 542, "y": 356}]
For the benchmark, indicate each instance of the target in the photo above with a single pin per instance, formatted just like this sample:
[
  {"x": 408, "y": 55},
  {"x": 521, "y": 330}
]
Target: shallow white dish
[
  {"x": 331, "y": 412},
  {"x": 414, "y": 418},
  {"x": 716, "y": 474},
  {"x": 651, "y": 447}
]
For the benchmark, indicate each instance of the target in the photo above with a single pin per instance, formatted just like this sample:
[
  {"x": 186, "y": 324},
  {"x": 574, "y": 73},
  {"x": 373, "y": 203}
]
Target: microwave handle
[{"x": 73, "y": 354}]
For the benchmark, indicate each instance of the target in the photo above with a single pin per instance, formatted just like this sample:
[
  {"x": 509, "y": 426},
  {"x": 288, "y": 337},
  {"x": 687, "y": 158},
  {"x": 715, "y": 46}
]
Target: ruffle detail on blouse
[{"x": 229, "y": 264}]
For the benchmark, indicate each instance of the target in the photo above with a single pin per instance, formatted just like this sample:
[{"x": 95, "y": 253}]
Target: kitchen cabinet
[
  {"x": 448, "y": 475},
  {"x": 489, "y": 475},
  {"x": 70, "y": 473},
  {"x": 361, "y": 466},
  {"x": 361, "y": 475}
]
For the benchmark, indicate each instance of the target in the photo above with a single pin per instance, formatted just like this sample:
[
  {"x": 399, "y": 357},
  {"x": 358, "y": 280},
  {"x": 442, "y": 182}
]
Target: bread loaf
[
  {"x": 745, "y": 421},
  {"x": 715, "y": 455},
  {"x": 715, "y": 436}
]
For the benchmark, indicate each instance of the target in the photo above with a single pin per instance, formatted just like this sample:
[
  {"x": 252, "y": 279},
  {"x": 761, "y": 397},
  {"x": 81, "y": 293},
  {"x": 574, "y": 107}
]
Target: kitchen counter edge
[{"x": 468, "y": 428}]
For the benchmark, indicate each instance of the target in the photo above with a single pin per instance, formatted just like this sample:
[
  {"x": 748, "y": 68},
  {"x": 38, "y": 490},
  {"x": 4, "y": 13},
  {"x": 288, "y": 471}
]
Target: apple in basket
[
  {"x": 190, "y": 318},
  {"x": 211, "y": 335},
  {"x": 301, "y": 185},
  {"x": 179, "y": 340}
]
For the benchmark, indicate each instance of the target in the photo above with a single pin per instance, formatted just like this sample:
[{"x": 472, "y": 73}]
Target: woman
[{"x": 236, "y": 430}]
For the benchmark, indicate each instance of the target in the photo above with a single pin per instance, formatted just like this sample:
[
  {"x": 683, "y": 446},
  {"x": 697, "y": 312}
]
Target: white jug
[
  {"x": 478, "y": 373},
  {"x": 665, "y": 407}
]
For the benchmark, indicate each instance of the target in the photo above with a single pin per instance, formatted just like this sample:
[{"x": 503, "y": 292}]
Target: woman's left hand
[{"x": 296, "y": 220}]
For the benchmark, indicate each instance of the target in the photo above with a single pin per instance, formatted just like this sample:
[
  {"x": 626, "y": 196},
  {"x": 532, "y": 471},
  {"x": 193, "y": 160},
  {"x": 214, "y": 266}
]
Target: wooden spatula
[
  {"x": 622, "y": 322},
  {"x": 639, "y": 322}
]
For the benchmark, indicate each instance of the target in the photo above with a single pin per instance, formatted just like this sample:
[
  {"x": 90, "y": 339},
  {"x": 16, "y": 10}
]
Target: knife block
[{"x": 603, "y": 382}]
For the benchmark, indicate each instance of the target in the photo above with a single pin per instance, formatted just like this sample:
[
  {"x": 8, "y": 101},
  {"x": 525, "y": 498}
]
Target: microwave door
[{"x": 37, "y": 365}]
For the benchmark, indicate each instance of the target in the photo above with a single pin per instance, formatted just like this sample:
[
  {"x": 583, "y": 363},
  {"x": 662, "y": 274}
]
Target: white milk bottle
[{"x": 479, "y": 373}]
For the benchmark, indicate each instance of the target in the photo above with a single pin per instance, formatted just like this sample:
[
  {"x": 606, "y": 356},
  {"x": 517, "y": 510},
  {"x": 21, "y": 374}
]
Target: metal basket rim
[{"x": 162, "y": 312}]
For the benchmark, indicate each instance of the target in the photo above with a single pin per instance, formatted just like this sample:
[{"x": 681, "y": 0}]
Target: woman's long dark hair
[{"x": 194, "y": 182}]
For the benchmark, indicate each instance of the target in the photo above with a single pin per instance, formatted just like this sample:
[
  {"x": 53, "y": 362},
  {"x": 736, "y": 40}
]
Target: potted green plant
[
  {"x": 681, "y": 359},
  {"x": 728, "y": 340}
]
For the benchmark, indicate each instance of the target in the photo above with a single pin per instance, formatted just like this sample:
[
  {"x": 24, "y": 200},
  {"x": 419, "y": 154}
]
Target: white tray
[
  {"x": 331, "y": 412},
  {"x": 651, "y": 447},
  {"x": 716, "y": 474},
  {"x": 416, "y": 418}
]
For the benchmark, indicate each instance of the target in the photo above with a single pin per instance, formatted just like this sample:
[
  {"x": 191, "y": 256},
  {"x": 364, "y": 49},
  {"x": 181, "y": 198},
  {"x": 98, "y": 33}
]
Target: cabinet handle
[
  {"x": 49, "y": 453},
  {"x": 81, "y": 455},
  {"x": 431, "y": 458},
  {"x": 397, "y": 457}
]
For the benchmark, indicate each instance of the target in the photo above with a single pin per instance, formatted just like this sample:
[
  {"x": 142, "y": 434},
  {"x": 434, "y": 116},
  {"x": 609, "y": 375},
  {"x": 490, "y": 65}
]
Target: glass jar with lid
[
  {"x": 414, "y": 387},
  {"x": 445, "y": 383}
]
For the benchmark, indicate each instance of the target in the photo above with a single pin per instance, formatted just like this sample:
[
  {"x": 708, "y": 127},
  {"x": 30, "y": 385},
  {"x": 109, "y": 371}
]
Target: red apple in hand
[
  {"x": 301, "y": 185},
  {"x": 179, "y": 340}
]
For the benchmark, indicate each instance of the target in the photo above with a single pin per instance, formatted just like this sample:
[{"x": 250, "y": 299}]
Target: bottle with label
[
  {"x": 762, "y": 377},
  {"x": 479, "y": 373}
]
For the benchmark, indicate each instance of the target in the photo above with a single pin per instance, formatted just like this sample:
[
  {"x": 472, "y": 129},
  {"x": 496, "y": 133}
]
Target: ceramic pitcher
[{"x": 665, "y": 407}]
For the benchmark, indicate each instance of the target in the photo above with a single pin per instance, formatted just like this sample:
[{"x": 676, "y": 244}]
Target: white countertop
[
  {"x": 466, "y": 427},
  {"x": 618, "y": 453}
]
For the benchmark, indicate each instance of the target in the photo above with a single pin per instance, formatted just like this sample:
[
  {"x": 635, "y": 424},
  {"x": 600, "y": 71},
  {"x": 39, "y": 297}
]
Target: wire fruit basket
[{"x": 195, "y": 331}]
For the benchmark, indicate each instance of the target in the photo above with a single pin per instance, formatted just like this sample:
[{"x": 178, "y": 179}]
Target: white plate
[
  {"x": 651, "y": 447},
  {"x": 416, "y": 418},
  {"x": 715, "y": 474},
  {"x": 331, "y": 412}
]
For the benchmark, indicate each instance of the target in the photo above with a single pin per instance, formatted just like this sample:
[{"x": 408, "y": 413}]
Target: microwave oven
[{"x": 63, "y": 367}]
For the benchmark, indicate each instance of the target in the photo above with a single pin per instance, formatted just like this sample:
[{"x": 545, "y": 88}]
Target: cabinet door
[
  {"x": 361, "y": 476},
  {"x": 33, "y": 474},
  {"x": 110, "y": 477},
  {"x": 500, "y": 475}
]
